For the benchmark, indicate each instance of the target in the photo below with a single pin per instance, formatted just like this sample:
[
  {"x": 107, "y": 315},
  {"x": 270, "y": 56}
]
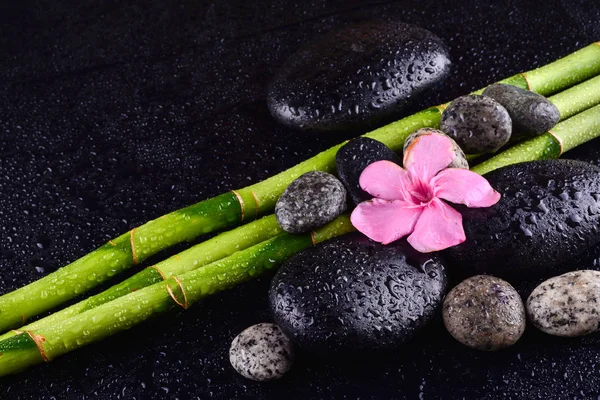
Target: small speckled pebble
[
  {"x": 485, "y": 313},
  {"x": 310, "y": 201},
  {"x": 479, "y": 124},
  {"x": 567, "y": 305},
  {"x": 459, "y": 161},
  {"x": 262, "y": 352},
  {"x": 532, "y": 114},
  {"x": 356, "y": 155}
]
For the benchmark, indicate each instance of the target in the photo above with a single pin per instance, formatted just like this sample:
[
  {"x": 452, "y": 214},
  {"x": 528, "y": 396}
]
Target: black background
[{"x": 113, "y": 113}]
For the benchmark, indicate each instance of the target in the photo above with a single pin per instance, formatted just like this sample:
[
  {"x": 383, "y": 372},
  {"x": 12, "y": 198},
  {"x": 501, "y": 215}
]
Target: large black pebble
[
  {"x": 352, "y": 158},
  {"x": 531, "y": 113},
  {"x": 351, "y": 294},
  {"x": 357, "y": 75},
  {"x": 549, "y": 212}
]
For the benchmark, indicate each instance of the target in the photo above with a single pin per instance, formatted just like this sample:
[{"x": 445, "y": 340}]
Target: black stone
[
  {"x": 459, "y": 161},
  {"x": 310, "y": 201},
  {"x": 357, "y": 75},
  {"x": 352, "y": 294},
  {"x": 549, "y": 212},
  {"x": 532, "y": 114},
  {"x": 353, "y": 157},
  {"x": 478, "y": 124}
]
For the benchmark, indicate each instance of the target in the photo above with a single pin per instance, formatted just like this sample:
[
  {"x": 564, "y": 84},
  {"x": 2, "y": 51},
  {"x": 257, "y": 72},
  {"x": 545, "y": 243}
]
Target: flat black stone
[
  {"x": 549, "y": 212},
  {"x": 356, "y": 76},
  {"x": 352, "y": 294}
]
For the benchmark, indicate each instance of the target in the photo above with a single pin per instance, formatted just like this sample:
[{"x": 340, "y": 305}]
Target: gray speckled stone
[
  {"x": 567, "y": 305},
  {"x": 479, "y": 124},
  {"x": 261, "y": 352},
  {"x": 459, "y": 161},
  {"x": 310, "y": 201},
  {"x": 532, "y": 114},
  {"x": 485, "y": 313}
]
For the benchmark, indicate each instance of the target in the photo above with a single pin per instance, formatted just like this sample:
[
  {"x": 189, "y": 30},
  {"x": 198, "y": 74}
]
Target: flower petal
[
  {"x": 386, "y": 180},
  {"x": 427, "y": 155},
  {"x": 385, "y": 221},
  {"x": 439, "y": 227},
  {"x": 464, "y": 187}
]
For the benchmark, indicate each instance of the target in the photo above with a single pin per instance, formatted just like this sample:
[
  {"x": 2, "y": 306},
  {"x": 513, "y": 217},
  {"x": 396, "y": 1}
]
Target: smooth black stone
[
  {"x": 310, "y": 201},
  {"x": 353, "y": 294},
  {"x": 531, "y": 114},
  {"x": 549, "y": 212},
  {"x": 459, "y": 161},
  {"x": 355, "y": 76},
  {"x": 478, "y": 124},
  {"x": 353, "y": 157}
]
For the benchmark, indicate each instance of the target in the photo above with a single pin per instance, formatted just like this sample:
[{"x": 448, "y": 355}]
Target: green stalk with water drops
[
  {"x": 59, "y": 336},
  {"x": 179, "y": 291},
  {"x": 197, "y": 256},
  {"x": 566, "y": 135},
  {"x": 237, "y": 207}
]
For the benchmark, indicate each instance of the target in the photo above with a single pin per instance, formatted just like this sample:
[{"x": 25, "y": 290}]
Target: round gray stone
[
  {"x": 485, "y": 313},
  {"x": 567, "y": 305},
  {"x": 479, "y": 124},
  {"x": 459, "y": 161},
  {"x": 310, "y": 201},
  {"x": 532, "y": 114},
  {"x": 261, "y": 352}
]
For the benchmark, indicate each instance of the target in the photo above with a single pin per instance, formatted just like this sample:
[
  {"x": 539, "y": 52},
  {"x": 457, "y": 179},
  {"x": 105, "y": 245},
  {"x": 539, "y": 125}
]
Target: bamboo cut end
[
  {"x": 39, "y": 343},
  {"x": 559, "y": 141}
]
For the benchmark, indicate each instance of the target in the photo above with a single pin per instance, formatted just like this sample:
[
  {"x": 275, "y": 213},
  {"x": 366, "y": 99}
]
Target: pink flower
[{"x": 409, "y": 201}]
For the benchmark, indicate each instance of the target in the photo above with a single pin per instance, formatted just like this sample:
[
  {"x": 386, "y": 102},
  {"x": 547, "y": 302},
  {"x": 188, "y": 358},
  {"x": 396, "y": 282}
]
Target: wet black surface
[{"x": 113, "y": 113}]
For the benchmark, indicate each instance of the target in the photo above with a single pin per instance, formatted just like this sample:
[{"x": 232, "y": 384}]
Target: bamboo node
[
  {"x": 524, "y": 75},
  {"x": 183, "y": 303},
  {"x": 312, "y": 238},
  {"x": 154, "y": 267},
  {"x": 441, "y": 108},
  {"x": 257, "y": 204},
  {"x": 132, "y": 242},
  {"x": 558, "y": 140},
  {"x": 241, "y": 201},
  {"x": 39, "y": 343}
]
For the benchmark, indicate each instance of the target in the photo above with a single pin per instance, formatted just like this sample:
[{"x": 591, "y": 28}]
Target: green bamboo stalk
[
  {"x": 50, "y": 341},
  {"x": 236, "y": 207},
  {"x": 61, "y": 336},
  {"x": 583, "y": 95},
  {"x": 198, "y": 256}
]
